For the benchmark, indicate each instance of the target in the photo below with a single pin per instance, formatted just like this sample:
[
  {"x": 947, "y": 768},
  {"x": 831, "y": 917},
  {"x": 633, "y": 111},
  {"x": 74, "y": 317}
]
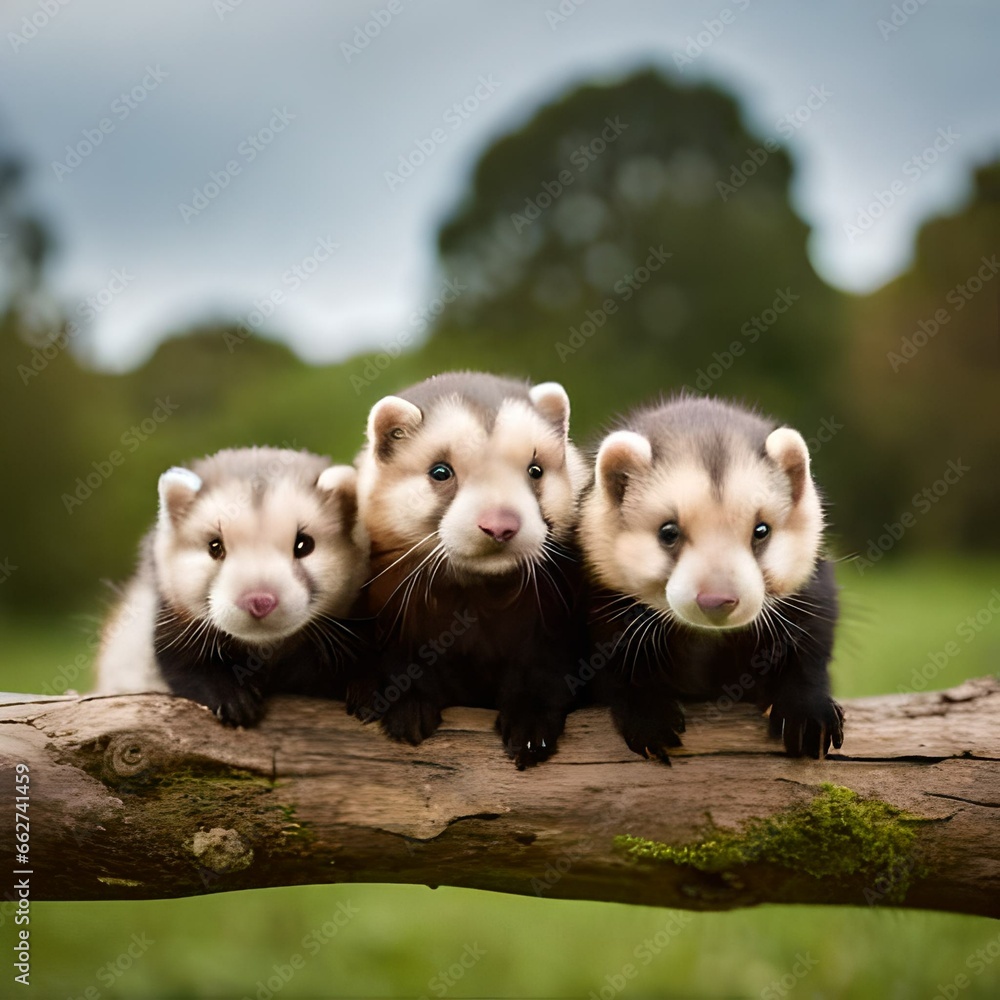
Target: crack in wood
[{"x": 961, "y": 798}]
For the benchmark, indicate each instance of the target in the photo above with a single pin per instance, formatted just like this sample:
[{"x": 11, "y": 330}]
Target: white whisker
[{"x": 396, "y": 562}]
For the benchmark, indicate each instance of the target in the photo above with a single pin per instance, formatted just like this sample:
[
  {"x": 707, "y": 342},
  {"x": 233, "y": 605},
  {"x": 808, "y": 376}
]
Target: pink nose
[
  {"x": 500, "y": 524},
  {"x": 717, "y": 605},
  {"x": 259, "y": 603}
]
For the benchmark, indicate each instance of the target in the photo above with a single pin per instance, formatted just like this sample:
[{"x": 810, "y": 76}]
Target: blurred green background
[{"x": 884, "y": 420}]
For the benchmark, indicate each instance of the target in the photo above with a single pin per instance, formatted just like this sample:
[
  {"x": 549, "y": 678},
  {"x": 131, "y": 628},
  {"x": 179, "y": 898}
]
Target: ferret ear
[
  {"x": 622, "y": 456},
  {"x": 391, "y": 419},
  {"x": 552, "y": 402},
  {"x": 788, "y": 450},
  {"x": 178, "y": 488},
  {"x": 339, "y": 484}
]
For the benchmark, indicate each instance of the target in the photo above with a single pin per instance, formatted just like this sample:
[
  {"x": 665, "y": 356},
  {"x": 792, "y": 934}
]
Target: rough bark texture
[{"x": 149, "y": 796}]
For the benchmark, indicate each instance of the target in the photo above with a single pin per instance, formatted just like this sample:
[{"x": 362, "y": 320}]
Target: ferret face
[
  {"x": 490, "y": 488},
  {"x": 708, "y": 532},
  {"x": 259, "y": 550}
]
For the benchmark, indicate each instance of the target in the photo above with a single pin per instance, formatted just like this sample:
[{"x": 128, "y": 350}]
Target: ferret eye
[
  {"x": 761, "y": 531},
  {"x": 670, "y": 534},
  {"x": 441, "y": 472},
  {"x": 216, "y": 549},
  {"x": 535, "y": 470},
  {"x": 304, "y": 544}
]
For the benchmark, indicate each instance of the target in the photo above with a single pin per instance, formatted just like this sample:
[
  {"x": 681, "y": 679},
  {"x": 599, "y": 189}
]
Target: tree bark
[{"x": 148, "y": 796}]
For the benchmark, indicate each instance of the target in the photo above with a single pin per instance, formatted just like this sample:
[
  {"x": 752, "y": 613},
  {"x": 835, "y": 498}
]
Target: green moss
[
  {"x": 213, "y": 782},
  {"x": 292, "y": 826},
  {"x": 836, "y": 835}
]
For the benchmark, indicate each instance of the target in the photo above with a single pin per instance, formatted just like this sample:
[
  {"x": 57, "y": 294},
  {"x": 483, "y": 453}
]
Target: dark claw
[
  {"x": 651, "y": 735},
  {"x": 794, "y": 736},
  {"x": 359, "y": 702},
  {"x": 775, "y": 724},
  {"x": 529, "y": 736},
  {"x": 411, "y": 720},
  {"x": 241, "y": 707},
  {"x": 808, "y": 729}
]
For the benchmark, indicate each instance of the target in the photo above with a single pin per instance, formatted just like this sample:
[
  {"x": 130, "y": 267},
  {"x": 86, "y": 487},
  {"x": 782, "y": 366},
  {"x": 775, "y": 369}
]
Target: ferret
[
  {"x": 703, "y": 536},
  {"x": 468, "y": 492},
  {"x": 242, "y": 585}
]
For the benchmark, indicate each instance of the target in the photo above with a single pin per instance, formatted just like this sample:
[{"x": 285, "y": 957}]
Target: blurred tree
[
  {"x": 924, "y": 377},
  {"x": 634, "y": 237},
  {"x": 25, "y": 241}
]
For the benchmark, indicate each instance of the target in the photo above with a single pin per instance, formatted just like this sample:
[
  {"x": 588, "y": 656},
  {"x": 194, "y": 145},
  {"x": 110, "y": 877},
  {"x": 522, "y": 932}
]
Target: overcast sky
[{"x": 202, "y": 79}]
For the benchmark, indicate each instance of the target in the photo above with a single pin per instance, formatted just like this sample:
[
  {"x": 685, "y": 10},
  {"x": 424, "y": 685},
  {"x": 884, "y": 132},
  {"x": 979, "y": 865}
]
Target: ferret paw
[
  {"x": 411, "y": 720},
  {"x": 651, "y": 733},
  {"x": 807, "y": 726},
  {"x": 360, "y": 700},
  {"x": 243, "y": 706},
  {"x": 530, "y": 736}
]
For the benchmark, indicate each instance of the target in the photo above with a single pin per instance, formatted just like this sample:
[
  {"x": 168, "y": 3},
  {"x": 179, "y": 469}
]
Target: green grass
[
  {"x": 403, "y": 939},
  {"x": 48, "y": 655},
  {"x": 896, "y": 616}
]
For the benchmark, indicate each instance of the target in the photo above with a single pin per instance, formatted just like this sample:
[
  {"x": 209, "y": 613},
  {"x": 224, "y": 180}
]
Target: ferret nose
[
  {"x": 501, "y": 524},
  {"x": 717, "y": 607},
  {"x": 259, "y": 603}
]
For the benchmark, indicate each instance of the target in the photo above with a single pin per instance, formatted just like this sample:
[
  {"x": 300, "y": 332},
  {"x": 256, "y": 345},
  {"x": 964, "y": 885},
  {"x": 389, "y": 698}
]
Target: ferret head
[
  {"x": 478, "y": 465},
  {"x": 704, "y": 511},
  {"x": 257, "y": 541}
]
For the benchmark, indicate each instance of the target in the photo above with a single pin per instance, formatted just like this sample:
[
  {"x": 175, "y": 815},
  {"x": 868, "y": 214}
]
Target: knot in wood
[{"x": 127, "y": 756}]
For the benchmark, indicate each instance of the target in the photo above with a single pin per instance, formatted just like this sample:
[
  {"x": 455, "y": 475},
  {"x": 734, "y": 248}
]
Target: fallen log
[{"x": 148, "y": 796}]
